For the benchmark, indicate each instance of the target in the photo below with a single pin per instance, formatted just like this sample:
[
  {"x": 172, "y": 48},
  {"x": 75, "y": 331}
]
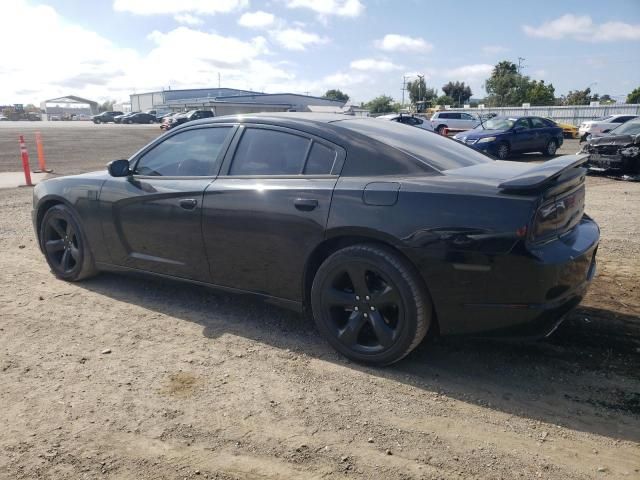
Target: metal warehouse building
[
  {"x": 226, "y": 101},
  {"x": 68, "y": 106}
]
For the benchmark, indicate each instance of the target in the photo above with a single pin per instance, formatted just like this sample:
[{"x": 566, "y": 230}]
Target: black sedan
[
  {"x": 380, "y": 230},
  {"x": 139, "y": 117}
]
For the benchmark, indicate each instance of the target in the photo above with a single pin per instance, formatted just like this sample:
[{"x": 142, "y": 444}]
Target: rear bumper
[{"x": 523, "y": 293}]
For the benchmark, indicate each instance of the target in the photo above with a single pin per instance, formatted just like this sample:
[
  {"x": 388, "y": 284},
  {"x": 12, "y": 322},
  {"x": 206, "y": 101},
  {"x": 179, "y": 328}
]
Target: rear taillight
[{"x": 558, "y": 215}]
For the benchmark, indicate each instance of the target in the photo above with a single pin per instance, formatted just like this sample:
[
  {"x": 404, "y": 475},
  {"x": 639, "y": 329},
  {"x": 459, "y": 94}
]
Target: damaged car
[{"x": 617, "y": 153}]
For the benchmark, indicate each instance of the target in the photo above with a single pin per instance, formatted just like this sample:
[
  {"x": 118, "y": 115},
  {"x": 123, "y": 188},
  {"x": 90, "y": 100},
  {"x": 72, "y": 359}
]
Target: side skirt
[{"x": 280, "y": 302}]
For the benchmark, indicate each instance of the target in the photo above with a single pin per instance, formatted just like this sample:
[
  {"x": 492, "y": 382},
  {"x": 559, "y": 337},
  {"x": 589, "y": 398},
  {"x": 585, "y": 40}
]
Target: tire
[
  {"x": 65, "y": 246},
  {"x": 503, "y": 151},
  {"x": 370, "y": 304},
  {"x": 96, "y": 122},
  {"x": 440, "y": 129},
  {"x": 550, "y": 149},
  {"x": 151, "y": 121}
]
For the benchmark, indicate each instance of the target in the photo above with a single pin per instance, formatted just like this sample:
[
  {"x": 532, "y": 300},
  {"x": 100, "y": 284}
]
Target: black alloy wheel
[
  {"x": 370, "y": 305},
  {"x": 63, "y": 244}
]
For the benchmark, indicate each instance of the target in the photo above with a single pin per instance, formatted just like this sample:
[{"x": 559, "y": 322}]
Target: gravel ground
[{"x": 124, "y": 377}]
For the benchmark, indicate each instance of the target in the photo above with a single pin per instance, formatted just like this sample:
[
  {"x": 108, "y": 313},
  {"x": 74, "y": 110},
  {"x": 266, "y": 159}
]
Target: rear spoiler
[{"x": 544, "y": 174}]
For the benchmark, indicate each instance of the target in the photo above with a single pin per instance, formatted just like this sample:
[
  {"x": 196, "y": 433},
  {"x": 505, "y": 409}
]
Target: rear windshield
[{"x": 438, "y": 152}]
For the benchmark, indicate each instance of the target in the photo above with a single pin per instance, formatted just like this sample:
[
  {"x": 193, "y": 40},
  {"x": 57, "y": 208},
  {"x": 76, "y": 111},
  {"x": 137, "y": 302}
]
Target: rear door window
[
  {"x": 537, "y": 123},
  {"x": 269, "y": 152}
]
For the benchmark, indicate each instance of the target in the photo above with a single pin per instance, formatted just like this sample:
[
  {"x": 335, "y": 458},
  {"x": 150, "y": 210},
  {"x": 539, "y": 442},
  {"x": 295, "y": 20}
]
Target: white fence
[{"x": 575, "y": 114}]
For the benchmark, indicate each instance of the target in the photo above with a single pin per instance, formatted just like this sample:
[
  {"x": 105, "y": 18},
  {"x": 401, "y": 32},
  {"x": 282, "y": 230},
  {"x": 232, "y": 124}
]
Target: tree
[
  {"x": 445, "y": 100},
  {"x": 107, "y": 106},
  {"x": 419, "y": 91},
  {"x": 579, "y": 97},
  {"x": 335, "y": 94},
  {"x": 381, "y": 104},
  {"x": 503, "y": 85},
  {"x": 606, "y": 99},
  {"x": 460, "y": 92},
  {"x": 634, "y": 97},
  {"x": 540, "y": 94}
]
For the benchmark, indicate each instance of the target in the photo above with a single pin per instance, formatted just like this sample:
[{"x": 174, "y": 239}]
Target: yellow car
[{"x": 568, "y": 130}]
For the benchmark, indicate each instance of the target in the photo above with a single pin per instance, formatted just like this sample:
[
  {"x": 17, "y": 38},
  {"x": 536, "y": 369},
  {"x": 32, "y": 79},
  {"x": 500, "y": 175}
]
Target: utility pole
[
  {"x": 520, "y": 65},
  {"x": 420, "y": 92},
  {"x": 218, "y": 79},
  {"x": 404, "y": 86}
]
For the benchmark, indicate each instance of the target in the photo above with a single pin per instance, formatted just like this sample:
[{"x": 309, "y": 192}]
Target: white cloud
[
  {"x": 258, "y": 19},
  {"x": 373, "y": 65},
  {"x": 494, "y": 49},
  {"x": 469, "y": 72},
  {"x": 341, "y": 8},
  {"x": 400, "y": 43},
  {"x": 582, "y": 28},
  {"x": 188, "y": 19},
  {"x": 172, "y": 7},
  {"x": 296, "y": 39},
  {"x": 94, "y": 67}
]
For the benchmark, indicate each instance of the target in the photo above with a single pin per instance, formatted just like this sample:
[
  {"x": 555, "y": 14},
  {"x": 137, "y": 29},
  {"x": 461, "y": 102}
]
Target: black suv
[{"x": 105, "y": 117}]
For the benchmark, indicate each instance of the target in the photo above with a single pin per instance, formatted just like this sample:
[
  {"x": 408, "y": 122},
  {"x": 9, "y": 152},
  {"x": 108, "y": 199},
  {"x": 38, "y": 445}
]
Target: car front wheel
[
  {"x": 502, "y": 151},
  {"x": 65, "y": 246},
  {"x": 370, "y": 304}
]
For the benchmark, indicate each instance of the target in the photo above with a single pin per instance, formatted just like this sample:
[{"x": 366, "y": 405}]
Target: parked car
[
  {"x": 3, "y": 118},
  {"x": 139, "y": 117},
  {"x": 453, "y": 121},
  {"x": 602, "y": 125},
  {"x": 617, "y": 152},
  {"x": 169, "y": 119},
  {"x": 120, "y": 118},
  {"x": 105, "y": 117},
  {"x": 407, "y": 120},
  {"x": 568, "y": 130},
  {"x": 379, "y": 231},
  {"x": 81, "y": 117},
  {"x": 189, "y": 116},
  {"x": 503, "y": 136}
]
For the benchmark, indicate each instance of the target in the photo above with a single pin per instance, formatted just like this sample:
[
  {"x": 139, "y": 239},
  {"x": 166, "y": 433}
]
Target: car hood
[
  {"x": 613, "y": 140},
  {"x": 477, "y": 134}
]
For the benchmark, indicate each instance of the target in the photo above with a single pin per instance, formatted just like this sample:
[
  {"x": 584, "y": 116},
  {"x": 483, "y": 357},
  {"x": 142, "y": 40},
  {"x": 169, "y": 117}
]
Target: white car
[
  {"x": 453, "y": 121},
  {"x": 406, "y": 120},
  {"x": 602, "y": 125}
]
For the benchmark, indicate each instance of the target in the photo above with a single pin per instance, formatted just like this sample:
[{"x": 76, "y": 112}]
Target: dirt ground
[{"x": 123, "y": 377}]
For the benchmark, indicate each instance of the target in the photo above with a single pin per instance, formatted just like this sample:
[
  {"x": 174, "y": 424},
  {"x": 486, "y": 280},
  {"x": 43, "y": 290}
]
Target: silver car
[{"x": 453, "y": 121}]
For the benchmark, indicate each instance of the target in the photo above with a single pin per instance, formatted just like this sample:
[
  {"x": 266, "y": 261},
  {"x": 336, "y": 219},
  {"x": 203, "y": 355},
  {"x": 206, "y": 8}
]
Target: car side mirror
[{"x": 119, "y": 168}]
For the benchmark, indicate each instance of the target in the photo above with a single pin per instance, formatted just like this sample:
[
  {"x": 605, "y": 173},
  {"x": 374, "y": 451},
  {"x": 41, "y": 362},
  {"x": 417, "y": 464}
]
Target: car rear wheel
[
  {"x": 503, "y": 151},
  {"x": 370, "y": 304},
  {"x": 440, "y": 129},
  {"x": 64, "y": 245},
  {"x": 151, "y": 121},
  {"x": 551, "y": 148}
]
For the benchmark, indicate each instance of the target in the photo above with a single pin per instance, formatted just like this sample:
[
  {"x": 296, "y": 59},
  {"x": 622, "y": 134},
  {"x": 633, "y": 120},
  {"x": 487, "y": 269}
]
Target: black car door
[
  {"x": 268, "y": 209},
  {"x": 152, "y": 218}
]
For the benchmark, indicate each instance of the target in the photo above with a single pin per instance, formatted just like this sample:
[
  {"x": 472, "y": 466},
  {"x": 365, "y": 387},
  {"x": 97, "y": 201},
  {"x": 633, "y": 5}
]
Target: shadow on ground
[{"x": 585, "y": 377}]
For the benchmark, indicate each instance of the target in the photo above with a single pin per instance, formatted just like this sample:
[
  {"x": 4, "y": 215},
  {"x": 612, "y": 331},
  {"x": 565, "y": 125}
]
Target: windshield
[
  {"x": 497, "y": 123},
  {"x": 629, "y": 128},
  {"x": 602, "y": 119},
  {"x": 434, "y": 150}
]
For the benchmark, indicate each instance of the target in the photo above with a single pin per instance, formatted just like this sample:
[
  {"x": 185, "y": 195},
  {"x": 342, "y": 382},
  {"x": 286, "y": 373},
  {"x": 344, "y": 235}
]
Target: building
[
  {"x": 227, "y": 101},
  {"x": 346, "y": 109},
  {"x": 66, "y": 107}
]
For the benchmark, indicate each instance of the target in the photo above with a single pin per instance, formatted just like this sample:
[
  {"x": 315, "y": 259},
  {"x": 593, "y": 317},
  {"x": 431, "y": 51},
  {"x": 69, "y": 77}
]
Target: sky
[{"x": 108, "y": 49}]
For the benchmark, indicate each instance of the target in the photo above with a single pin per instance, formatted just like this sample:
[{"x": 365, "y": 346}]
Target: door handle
[
  {"x": 188, "y": 203},
  {"x": 305, "y": 204}
]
